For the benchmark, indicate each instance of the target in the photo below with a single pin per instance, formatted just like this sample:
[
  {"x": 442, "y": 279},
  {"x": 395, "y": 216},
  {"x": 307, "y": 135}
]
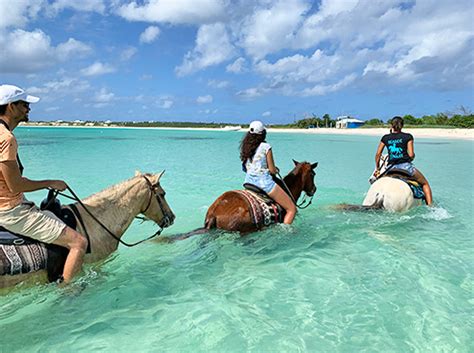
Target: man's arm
[{"x": 16, "y": 183}]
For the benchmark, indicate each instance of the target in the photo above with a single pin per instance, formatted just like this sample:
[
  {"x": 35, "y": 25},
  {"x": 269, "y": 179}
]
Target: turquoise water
[{"x": 336, "y": 282}]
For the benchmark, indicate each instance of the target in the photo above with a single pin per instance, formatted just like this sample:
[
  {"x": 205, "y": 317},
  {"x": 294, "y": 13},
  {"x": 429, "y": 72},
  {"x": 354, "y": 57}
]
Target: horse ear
[
  {"x": 314, "y": 165},
  {"x": 296, "y": 163},
  {"x": 137, "y": 173},
  {"x": 158, "y": 177}
]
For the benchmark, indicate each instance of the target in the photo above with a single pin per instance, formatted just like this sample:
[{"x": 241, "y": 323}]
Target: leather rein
[
  {"x": 304, "y": 203},
  {"x": 153, "y": 192}
]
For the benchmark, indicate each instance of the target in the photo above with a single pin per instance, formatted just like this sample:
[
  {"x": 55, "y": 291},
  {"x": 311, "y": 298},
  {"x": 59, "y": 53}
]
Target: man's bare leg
[{"x": 77, "y": 246}]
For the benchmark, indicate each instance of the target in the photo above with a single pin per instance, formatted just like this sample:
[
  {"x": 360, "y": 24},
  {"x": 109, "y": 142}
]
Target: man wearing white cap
[{"x": 17, "y": 214}]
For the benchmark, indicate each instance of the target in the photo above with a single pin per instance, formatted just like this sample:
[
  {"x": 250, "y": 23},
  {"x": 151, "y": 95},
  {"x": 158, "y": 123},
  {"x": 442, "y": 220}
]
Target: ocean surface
[{"x": 334, "y": 282}]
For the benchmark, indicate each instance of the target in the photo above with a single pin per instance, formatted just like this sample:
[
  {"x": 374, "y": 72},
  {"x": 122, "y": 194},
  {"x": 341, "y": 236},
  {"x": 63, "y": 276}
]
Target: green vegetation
[
  {"x": 171, "y": 124},
  {"x": 440, "y": 120},
  {"x": 313, "y": 122}
]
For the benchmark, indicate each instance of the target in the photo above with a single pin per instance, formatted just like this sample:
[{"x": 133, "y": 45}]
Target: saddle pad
[
  {"x": 416, "y": 189},
  {"x": 263, "y": 211},
  {"x": 16, "y": 259}
]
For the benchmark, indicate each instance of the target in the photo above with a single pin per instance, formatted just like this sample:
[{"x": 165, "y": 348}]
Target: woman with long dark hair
[
  {"x": 257, "y": 159},
  {"x": 401, "y": 153}
]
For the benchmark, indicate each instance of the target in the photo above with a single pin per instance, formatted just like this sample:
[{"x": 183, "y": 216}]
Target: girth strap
[{"x": 79, "y": 217}]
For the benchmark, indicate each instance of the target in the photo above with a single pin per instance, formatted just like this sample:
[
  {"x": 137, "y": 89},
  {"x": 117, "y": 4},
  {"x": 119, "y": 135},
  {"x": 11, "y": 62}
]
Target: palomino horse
[
  {"x": 115, "y": 207},
  {"x": 388, "y": 192},
  {"x": 231, "y": 211}
]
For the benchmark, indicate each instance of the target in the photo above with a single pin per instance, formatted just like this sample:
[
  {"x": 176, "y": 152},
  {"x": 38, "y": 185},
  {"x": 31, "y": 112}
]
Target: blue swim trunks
[
  {"x": 406, "y": 167},
  {"x": 264, "y": 181}
]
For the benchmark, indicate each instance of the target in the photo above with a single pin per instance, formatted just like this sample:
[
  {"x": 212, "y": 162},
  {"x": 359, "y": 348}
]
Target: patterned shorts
[
  {"x": 406, "y": 167},
  {"x": 264, "y": 182}
]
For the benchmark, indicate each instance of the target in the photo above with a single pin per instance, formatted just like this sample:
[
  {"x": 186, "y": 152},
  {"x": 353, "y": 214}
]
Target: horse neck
[
  {"x": 115, "y": 208},
  {"x": 295, "y": 185}
]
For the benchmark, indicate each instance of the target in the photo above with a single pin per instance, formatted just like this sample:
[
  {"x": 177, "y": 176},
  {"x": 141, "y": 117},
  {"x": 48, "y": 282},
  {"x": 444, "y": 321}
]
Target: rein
[
  {"x": 300, "y": 205},
  {"x": 150, "y": 185}
]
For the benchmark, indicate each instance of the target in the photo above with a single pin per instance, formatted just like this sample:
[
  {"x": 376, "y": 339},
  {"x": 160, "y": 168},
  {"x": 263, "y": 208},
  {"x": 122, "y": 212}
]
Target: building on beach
[{"x": 346, "y": 122}]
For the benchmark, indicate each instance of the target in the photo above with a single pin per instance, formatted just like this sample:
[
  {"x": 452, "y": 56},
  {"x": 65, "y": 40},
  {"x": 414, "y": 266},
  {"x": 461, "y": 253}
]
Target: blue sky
[{"x": 236, "y": 61}]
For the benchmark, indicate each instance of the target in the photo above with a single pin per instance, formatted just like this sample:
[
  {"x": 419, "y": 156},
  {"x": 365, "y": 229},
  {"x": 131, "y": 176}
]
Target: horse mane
[
  {"x": 109, "y": 192},
  {"x": 290, "y": 179}
]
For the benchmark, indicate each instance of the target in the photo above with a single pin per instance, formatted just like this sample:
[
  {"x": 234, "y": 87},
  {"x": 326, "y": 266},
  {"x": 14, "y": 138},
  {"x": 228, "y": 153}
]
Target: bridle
[
  {"x": 164, "y": 223},
  {"x": 305, "y": 202},
  {"x": 152, "y": 187}
]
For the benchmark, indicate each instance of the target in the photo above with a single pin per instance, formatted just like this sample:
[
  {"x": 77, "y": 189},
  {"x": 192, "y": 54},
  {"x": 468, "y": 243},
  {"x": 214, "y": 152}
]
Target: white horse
[
  {"x": 386, "y": 193},
  {"x": 391, "y": 194},
  {"x": 116, "y": 208}
]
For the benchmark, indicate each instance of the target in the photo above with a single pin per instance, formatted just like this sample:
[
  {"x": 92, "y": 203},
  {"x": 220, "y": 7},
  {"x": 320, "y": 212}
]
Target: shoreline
[{"x": 455, "y": 133}]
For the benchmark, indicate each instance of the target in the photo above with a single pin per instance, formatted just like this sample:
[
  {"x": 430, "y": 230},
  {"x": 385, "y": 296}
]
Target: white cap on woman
[{"x": 256, "y": 127}]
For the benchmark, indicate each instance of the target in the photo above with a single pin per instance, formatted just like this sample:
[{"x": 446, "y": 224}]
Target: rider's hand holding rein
[{"x": 58, "y": 185}]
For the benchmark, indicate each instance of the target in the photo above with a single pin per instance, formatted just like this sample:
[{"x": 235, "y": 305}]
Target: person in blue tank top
[
  {"x": 257, "y": 161},
  {"x": 401, "y": 153}
]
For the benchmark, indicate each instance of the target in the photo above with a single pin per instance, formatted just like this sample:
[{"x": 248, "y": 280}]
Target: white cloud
[
  {"x": 72, "y": 48},
  {"x": 82, "y": 5},
  {"x": 252, "y": 93},
  {"x": 97, "y": 68},
  {"x": 104, "y": 96},
  {"x": 212, "y": 47},
  {"x": 32, "y": 51},
  {"x": 18, "y": 12},
  {"x": 166, "y": 104},
  {"x": 218, "y": 84},
  {"x": 128, "y": 53},
  {"x": 272, "y": 28},
  {"x": 204, "y": 99},
  {"x": 320, "y": 90},
  {"x": 175, "y": 11},
  {"x": 237, "y": 66},
  {"x": 266, "y": 114},
  {"x": 150, "y": 34},
  {"x": 68, "y": 87}
]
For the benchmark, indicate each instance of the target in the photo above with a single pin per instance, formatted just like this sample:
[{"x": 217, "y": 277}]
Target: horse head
[
  {"x": 155, "y": 206},
  {"x": 303, "y": 178}
]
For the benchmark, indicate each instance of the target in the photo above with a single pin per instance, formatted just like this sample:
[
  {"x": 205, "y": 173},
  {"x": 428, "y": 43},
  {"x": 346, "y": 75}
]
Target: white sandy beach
[{"x": 463, "y": 134}]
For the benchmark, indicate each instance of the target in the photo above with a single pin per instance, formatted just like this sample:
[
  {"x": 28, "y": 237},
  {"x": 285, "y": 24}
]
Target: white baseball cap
[
  {"x": 10, "y": 94},
  {"x": 256, "y": 127}
]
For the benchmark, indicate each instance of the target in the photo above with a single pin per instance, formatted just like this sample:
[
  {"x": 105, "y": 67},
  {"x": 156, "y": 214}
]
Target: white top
[{"x": 258, "y": 165}]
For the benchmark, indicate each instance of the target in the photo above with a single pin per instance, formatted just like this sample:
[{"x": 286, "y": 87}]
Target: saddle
[
  {"x": 263, "y": 209},
  {"x": 415, "y": 186},
  {"x": 19, "y": 254}
]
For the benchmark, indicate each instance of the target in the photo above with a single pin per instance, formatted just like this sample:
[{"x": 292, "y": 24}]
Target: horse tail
[
  {"x": 210, "y": 223},
  {"x": 376, "y": 205},
  {"x": 173, "y": 238}
]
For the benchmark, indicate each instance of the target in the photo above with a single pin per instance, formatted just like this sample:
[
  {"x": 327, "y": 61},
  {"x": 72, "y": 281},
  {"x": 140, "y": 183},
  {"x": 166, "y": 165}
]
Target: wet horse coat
[
  {"x": 231, "y": 210},
  {"x": 116, "y": 208}
]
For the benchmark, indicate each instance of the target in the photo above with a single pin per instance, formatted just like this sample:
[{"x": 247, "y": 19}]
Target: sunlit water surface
[{"x": 335, "y": 282}]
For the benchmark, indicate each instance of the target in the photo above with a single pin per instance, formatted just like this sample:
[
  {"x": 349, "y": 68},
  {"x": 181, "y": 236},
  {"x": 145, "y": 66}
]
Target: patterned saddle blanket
[
  {"x": 25, "y": 258},
  {"x": 264, "y": 211},
  {"x": 19, "y": 254}
]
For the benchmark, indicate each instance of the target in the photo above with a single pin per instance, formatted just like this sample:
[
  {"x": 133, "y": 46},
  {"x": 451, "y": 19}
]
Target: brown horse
[{"x": 231, "y": 210}]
